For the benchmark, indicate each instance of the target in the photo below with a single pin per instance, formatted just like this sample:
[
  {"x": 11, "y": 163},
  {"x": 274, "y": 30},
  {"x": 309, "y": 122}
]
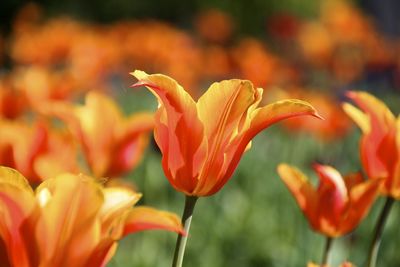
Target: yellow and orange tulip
[
  {"x": 70, "y": 220},
  {"x": 112, "y": 143},
  {"x": 380, "y": 142},
  {"x": 338, "y": 205},
  {"x": 202, "y": 142}
]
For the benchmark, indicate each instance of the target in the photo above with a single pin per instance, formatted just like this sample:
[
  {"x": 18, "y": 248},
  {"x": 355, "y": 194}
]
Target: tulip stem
[
  {"x": 190, "y": 202},
  {"x": 327, "y": 250},
  {"x": 373, "y": 250}
]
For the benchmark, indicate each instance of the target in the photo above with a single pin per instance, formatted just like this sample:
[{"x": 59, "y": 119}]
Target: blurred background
[{"x": 312, "y": 50}]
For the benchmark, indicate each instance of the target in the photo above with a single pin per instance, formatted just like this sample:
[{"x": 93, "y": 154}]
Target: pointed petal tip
[{"x": 318, "y": 116}]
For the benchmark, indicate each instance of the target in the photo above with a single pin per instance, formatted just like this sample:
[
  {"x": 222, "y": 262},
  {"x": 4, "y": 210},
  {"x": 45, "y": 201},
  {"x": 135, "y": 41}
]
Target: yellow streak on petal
[{"x": 359, "y": 117}]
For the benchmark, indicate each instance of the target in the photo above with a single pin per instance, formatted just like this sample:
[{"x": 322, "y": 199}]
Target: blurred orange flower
[
  {"x": 12, "y": 101},
  {"x": 338, "y": 205},
  {"x": 112, "y": 144},
  {"x": 336, "y": 124},
  {"x": 202, "y": 142},
  {"x": 255, "y": 63},
  {"x": 70, "y": 220},
  {"x": 40, "y": 85},
  {"x": 35, "y": 150},
  {"x": 214, "y": 26},
  {"x": 380, "y": 142}
]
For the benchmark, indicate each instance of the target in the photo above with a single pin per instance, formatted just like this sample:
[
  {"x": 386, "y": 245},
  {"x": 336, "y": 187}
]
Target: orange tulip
[
  {"x": 202, "y": 142},
  {"x": 112, "y": 144},
  {"x": 70, "y": 220},
  {"x": 338, "y": 205},
  {"x": 380, "y": 142},
  {"x": 34, "y": 150}
]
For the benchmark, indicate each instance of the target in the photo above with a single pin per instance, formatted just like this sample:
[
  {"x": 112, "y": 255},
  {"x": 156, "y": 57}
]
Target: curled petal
[
  {"x": 362, "y": 196},
  {"x": 359, "y": 117},
  {"x": 377, "y": 148},
  {"x": 146, "y": 218},
  {"x": 300, "y": 188},
  {"x": 178, "y": 130}
]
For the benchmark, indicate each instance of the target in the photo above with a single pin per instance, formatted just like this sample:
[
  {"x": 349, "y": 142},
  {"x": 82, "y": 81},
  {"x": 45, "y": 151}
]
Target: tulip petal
[
  {"x": 300, "y": 188},
  {"x": 224, "y": 110},
  {"x": 16, "y": 206},
  {"x": 183, "y": 150},
  {"x": 66, "y": 221},
  {"x": 117, "y": 200},
  {"x": 146, "y": 218},
  {"x": 277, "y": 111},
  {"x": 362, "y": 196},
  {"x": 332, "y": 198},
  {"x": 359, "y": 117},
  {"x": 262, "y": 118},
  {"x": 396, "y": 173},
  {"x": 376, "y": 143}
]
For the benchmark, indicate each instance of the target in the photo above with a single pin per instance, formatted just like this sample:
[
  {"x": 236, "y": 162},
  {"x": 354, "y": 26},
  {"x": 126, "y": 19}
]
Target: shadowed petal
[
  {"x": 300, "y": 188},
  {"x": 146, "y": 218},
  {"x": 361, "y": 199}
]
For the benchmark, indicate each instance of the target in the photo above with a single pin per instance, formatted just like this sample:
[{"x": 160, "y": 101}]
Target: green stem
[
  {"x": 373, "y": 250},
  {"x": 327, "y": 250},
  {"x": 190, "y": 202}
]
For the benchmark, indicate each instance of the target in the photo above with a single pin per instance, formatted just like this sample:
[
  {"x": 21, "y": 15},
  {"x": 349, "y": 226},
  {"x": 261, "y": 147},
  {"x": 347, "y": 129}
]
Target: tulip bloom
[
  {"x": 112, "y": 144},
  {"x": 380, "y": 142},
  {"x": 70, "y": 220},
  {"x": 338, "y": 205},
  {"x": 34, "y": 150},
  {"x": 202, "y": 142}
]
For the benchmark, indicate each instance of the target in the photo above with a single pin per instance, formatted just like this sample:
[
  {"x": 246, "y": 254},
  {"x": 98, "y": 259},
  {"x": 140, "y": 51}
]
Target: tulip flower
[
  {"x": 337, "y": 206},
  {"x": 379, "y": 151},
  {"x": 112, "y": 144},
  {"x": 70, "y": 220},
  {"x": 202, "y": 142},
  {"x": 34, "y": 150},
  {"x": 380, "y": 142}
]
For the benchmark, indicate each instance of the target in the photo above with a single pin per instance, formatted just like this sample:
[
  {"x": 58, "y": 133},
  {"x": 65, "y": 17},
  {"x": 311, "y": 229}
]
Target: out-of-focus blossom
[
  {"x": 12, "y": 101},
  {"x": 338, "y": 205},
  {"x": 37, "y": 151},
  {"x": 41, "y": 85},
  {"x": 283, "y": 26},
  {"x": 112, "y": 144},
  {"x": 255, "y": 63},
  {"x": 70, "y": 220},
  {"x": 202, "y": 142},
  {"x": 380, "y": 142},
  {"x": 46, "y": 44},
  {"x": 316, "y": 44},
  {"x": 214, "y": 26},
  {"x": 216, "y": 62},
  {"x": 345, "y": 23},
  {"x": 336, "y": 124},
  {"x": 93, "y": 56},
  {"x": 344, "y": 264},
  {"x": 142, "y": 49}
]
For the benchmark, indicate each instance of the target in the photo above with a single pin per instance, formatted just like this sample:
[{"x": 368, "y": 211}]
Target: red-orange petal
[{"x": 146, "y": 218}]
